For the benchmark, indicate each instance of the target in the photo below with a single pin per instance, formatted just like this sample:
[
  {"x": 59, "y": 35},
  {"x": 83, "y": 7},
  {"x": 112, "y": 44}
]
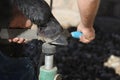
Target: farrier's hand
[
  {"x": 88, "y": 33},
  {"x": 17, "y": 40},
  {"x": 19, "y": 21}
]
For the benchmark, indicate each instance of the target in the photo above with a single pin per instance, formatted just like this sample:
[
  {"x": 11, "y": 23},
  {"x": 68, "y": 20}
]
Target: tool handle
[{"x": 76, "y": 34}]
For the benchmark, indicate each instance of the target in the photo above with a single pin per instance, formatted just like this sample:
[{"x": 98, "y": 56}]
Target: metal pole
[
  {"x": 48, "y": 71},
  {"x": 49, "y": 62}
]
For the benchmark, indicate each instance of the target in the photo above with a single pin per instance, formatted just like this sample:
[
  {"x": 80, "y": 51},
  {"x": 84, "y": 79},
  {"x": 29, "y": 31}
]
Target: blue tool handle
[{"x": 76, "y": 34}]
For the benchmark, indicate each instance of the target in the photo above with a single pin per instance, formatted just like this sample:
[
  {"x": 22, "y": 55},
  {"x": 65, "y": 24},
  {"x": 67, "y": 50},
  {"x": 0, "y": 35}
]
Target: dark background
[{"x": 80, "y": 61}]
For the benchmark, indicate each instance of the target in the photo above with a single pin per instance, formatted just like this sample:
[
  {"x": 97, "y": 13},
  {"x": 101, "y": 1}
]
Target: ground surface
[{"x": 79, "y": 61}]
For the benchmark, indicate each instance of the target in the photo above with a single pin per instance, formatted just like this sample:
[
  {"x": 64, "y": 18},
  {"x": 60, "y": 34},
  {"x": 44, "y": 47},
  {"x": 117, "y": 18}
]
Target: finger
[
  {"x": 21, "y": 40},
  {"x": 89, "y": 37},
  {"x": 15, "y": 39},
  {"x": 10, "y": 40},
  {"x": 84, "y": 40}
]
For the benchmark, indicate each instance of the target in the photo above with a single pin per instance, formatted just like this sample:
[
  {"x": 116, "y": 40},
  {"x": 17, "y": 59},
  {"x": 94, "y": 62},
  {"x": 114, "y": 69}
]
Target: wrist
[{"x": 87, "y": 27}]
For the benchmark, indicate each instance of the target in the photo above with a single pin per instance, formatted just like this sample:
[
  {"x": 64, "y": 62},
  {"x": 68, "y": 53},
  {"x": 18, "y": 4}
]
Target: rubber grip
[{"x": 76, "y": 34}]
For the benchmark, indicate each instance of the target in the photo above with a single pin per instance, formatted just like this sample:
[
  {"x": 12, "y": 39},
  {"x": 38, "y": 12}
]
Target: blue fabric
[
  {"x": 19, "y": 62},
  {"x": 16, "y": 68}
]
